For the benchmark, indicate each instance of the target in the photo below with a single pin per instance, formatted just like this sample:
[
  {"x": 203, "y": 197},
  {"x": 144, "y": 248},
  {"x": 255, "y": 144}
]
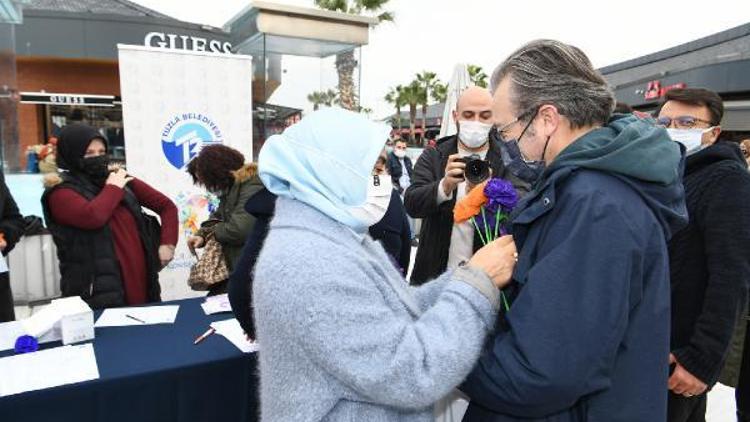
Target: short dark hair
[
  {"x": 214, "y": 165},
  {"x": 698, "y": 97},
  {"x": 400, "y": 140}
]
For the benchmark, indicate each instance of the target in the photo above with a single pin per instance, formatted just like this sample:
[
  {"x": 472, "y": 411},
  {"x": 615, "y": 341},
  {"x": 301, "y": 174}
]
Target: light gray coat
[{"x": 344, "y": 338}]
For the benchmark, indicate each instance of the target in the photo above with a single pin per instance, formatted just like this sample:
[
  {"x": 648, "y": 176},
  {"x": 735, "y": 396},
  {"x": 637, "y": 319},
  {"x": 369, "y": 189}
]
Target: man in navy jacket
[{"x": 587, "y": 334}]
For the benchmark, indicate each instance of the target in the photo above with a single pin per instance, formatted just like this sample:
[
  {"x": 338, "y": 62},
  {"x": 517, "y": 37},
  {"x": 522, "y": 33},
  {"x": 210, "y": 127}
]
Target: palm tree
[
  {"x": 395, "y": 97},
  {"x": 327, "y": 98},
  {"x": 316, "y": 98},
  {"x": 477, "y": 76},
  {"x": 427, "y": 80},
  {"x": 345, "y": 62},
  {"x": 413, "y": 95},
  {"x": 331, "y": 97},
  {"x": 440, "y": 92}
]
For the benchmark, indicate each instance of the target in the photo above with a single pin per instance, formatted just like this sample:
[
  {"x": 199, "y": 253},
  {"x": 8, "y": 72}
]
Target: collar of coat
[{"x": 245, "y": 173}]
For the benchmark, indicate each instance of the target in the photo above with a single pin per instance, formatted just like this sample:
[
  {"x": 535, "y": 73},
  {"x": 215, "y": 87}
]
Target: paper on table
[
  {"x": 47, "y": 368},
  {"x": 216, "y": 304},
  {"x": 121, "y": 317},
  {"x": 231, "y": 329}
]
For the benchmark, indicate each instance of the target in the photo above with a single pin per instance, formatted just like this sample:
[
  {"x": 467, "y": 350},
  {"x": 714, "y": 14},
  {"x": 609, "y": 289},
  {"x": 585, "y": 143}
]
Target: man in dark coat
[
  {"x": 438, "y": 181},
  {"x": 399, "y": 166},
  {"x": 11, "y": 227},
  {"x": 710, "y": 258},
  {"x": 586, "y": 338}
]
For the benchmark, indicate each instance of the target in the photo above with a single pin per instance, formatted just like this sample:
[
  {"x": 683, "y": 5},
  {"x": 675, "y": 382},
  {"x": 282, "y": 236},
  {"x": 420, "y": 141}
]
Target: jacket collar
[{"x": 720, "y": 151}]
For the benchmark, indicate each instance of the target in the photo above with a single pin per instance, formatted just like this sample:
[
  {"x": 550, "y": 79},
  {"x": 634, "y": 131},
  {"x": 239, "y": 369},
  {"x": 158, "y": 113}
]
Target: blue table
[{"x": 152, "y": 373}]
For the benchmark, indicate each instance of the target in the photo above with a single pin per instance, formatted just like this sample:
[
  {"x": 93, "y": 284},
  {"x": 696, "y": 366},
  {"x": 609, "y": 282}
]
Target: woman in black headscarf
[{"x": 107, "y": 254}]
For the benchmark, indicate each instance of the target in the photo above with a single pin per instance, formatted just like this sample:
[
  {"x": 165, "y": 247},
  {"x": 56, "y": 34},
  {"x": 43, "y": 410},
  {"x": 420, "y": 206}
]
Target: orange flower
[{"x": 470, "y": 205}]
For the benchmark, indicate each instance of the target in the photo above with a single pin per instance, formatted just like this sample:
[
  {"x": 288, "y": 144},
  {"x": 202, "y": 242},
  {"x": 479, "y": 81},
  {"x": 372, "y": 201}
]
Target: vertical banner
[{"x": 175, "y": 102}]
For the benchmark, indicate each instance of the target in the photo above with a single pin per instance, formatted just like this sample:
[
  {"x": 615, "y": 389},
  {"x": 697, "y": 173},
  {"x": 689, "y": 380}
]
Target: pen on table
[
  {"x": 204, "y": 335},
  {"x": 135, "y": 319}
]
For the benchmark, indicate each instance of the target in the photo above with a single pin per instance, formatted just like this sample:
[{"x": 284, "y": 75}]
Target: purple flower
[{"x": 500, "y": 195}]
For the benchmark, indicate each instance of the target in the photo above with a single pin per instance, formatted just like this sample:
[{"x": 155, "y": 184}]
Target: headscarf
[
  {"x": 325, "y": 161},
  {"x": 72, "y": 143}
]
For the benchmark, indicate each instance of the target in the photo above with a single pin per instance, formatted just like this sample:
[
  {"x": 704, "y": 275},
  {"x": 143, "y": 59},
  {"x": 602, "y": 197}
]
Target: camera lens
[{"x": 477, "y": 171}]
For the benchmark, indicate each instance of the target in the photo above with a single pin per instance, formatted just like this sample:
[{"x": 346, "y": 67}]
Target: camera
[{"x": 477, "y": 170}]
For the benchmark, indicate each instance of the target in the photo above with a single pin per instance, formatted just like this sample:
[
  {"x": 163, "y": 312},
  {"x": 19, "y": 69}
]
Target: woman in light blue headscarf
[{"x": 342, "y": 336}]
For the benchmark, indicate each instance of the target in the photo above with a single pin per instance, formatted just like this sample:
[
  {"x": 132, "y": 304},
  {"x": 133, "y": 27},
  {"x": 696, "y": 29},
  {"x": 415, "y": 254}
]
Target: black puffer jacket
[{"x": 88, "y": 263}]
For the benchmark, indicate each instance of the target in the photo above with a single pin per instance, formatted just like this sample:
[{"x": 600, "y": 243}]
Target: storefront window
[{"x": 107, "y": 120}]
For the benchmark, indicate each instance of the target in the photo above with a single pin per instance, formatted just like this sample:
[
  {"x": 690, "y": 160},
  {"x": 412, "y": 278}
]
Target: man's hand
[
  {"x": 683, "y": 382},
  {"x": 454, "y": 173}
]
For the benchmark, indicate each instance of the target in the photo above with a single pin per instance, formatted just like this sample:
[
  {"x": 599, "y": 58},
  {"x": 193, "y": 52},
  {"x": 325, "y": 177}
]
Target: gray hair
[{"x": 550, "y": 72}]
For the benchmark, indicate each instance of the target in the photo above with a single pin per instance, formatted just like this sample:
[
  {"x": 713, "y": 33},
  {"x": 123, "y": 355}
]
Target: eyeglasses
[
  {"x": 681, "y": 122},
  {"x": 501, "y": 130}
]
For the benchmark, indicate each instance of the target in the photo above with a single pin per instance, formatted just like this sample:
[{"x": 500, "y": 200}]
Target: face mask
[
  {"x": 378, "y": 198},
  {"x": 97, "y": 168},
  {"x": 528, "y": 171},
  {"x": 692, "y": 139},
  {"x": 473, "y": 134},
  {"x": 399, "y": 153}
]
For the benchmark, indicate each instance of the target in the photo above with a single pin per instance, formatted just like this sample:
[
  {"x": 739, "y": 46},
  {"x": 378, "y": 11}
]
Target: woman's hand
[
  {"x": 196, "y": 242},
  {"x": 119, "y": 178},
  {"x": 166, "y": 254},
  {"x": 497, "y": 259}
]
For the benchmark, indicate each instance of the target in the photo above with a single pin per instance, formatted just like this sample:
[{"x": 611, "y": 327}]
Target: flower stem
[
  {"x": 497, "y": 222},
  {"x": 505, "y": 301},
  {"x": 486, "y": 228},
  {"x": 474, "y": 220}
]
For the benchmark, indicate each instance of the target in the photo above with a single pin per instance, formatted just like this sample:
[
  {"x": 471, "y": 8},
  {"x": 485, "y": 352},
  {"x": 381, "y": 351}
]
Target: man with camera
[{"x": 445, "y": 174}]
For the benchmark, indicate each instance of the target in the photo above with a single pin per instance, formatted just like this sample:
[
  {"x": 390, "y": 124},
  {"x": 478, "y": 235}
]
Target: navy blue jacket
[
  {"x": 394, "y": 233},
  {"x": 587, "y": 334}
]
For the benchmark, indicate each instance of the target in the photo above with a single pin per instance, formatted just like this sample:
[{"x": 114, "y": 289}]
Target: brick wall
[{"x": 64, "y": 76}]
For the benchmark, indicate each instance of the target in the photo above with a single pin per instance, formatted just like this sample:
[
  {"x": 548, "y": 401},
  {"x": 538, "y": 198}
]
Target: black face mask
[
  {"x": 528, "y": 171},
  {"x": 96, "y": 168}
]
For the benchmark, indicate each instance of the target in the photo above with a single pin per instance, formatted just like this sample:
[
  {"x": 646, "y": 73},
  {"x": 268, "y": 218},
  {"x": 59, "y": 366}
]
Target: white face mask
[
  {"x": 399, "y": 153},
  {"x": 378, "y": 198},
  {"x": 472, "y": 133},
  {"x": 692, "y": 139}
]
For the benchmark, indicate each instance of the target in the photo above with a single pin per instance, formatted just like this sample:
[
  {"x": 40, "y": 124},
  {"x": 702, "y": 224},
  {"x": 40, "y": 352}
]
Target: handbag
[{"x": 211, "y": 267}]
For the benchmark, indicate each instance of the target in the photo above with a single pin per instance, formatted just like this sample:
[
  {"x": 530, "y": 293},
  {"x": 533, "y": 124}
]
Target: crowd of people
[{"x": 620, "y": 292}]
